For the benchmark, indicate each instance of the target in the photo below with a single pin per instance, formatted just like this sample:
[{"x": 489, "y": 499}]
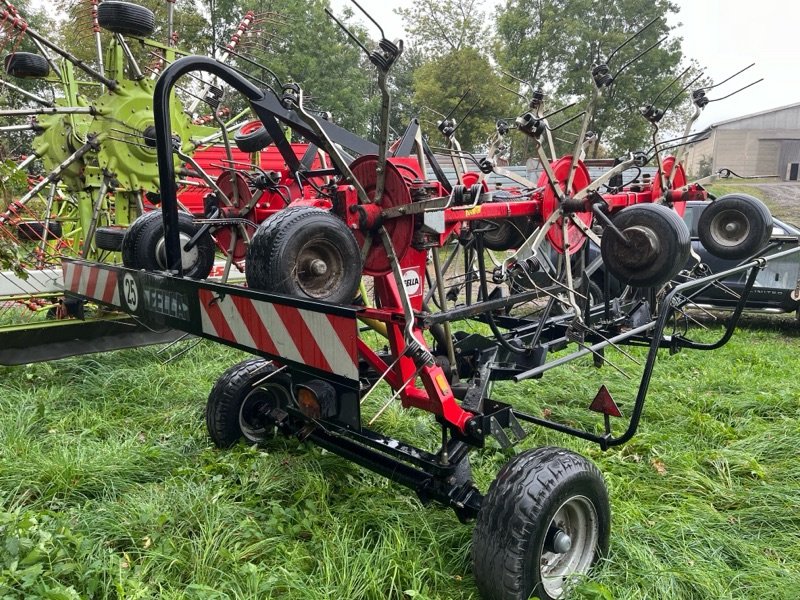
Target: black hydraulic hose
[{"x": 485, "y": 294}]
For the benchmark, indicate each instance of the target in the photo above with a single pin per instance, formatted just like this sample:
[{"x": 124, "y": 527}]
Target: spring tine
[
  {"x": 395, "y": 395},
  {"x": 631, "y": 38},
  {"x": 605, "y": 360},
  {"x": 711, "y": 87},
  {"x": 383, "y": 376}
]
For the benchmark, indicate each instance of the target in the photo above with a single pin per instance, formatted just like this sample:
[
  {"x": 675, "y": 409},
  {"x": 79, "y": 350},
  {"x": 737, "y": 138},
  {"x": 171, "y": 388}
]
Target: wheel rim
[
  {"x": 320, "y": 268},
  {"x": 188, "y": 259},
  {"x": 730, "y": 228},
  {"x": 577, "y": 520},
  {"x": 254, "y": 421}
]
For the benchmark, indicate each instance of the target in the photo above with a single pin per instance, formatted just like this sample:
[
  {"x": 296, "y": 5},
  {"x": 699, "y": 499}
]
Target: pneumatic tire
[
  {"x": 658, "y": 245},
  {"x": 545, "y": 519},
  {"x": 241, "y": 399},
  {"x": 110, "y": 238},
  {"x": 126, "y": 18},
  {"x": 33, "y": 231},
  {"x": 143, "y": 246},
  {"x": 305, "y": 252},
  {"x": 252, "y": 137},
  {"x": 26, "y": 65},
  {"x": 735, "y": 226}
]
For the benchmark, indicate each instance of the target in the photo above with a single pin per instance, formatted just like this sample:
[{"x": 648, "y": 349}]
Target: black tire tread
[
  {"x": 138, "y": 233},
  {"x": 254, "y": 141},
  {"x": 33, "y": 231},
  {"x": 126, "y": 18},
  {"x": 109, "y": 238},
  {"x": 681, "y": 251},
  {"x": 224, "y": 400},
  {"x": 26, "y": 64},
  {"x": 505, "y": 521},
  {"x": 262, "y": 269},
  {"x": 752, "y": 244}
]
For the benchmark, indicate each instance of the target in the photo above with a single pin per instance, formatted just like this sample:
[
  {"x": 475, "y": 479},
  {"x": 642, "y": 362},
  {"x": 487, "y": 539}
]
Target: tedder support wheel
[
  {"x": 144, "y": 246},
  {"x": 657, "y": 245},
  {"x": 126, "y": 18},
  {"x": 252, "y": 137},
  {"x": 26, "y": 64},
  {"x": 241, "y": 399},
  {"x": 305, "y": 252},
  {"x": 505, "y": 234},
  {"x": 34, "y": 230},
  {"x": 544, "y": 520},
  {"x": 735, "y": 226},
  {"x": 110, "y": 238}
]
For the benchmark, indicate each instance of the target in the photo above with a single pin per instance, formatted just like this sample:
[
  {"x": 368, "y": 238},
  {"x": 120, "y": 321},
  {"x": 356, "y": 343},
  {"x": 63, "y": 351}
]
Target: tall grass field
[{"x": 111, "y": 488}]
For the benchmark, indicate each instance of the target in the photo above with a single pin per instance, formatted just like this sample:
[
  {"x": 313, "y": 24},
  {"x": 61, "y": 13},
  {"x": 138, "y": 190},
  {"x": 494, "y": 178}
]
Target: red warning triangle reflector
[{"x": 604, "y": 403}]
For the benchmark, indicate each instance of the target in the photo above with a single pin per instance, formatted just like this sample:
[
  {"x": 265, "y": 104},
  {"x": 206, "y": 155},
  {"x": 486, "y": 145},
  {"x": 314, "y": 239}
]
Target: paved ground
[{"x": 783, "y": 199}]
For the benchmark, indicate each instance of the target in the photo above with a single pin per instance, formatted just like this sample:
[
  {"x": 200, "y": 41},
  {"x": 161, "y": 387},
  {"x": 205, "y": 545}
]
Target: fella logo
[{"x": 411, "y": 281}]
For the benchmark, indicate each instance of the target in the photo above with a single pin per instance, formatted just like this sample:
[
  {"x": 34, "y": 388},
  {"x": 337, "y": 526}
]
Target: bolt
[
  {"x": 561, "y": 542},
  {"x": 318, "y": 267}
]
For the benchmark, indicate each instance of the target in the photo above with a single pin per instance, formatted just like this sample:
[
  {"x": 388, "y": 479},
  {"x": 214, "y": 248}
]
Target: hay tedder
[{"x": 370, "y": 242}]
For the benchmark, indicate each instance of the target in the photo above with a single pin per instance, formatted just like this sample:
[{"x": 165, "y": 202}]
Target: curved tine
[
  {"x": 560, "y": 125},
  {"x": 257, "y": 65},
  {"x": 383, "y": 35},
  {"x": 460, "y": 100},
  {"x": 682, "y": 90},
  {"x": 711, "y": 87},
  {"x": 671, "y": 83},
  {"x": 741, "y": 89},
  {"x": 508, "y": 89},
  {"x": 347, "y": 31},
  {"x": 562, "y": 109},
  {"x": 631, "y": 38},
  {"x": 638, "y": 56}
]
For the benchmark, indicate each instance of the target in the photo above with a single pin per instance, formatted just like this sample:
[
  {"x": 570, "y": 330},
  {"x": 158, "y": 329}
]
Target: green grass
[{"x": 110, "y": 487}]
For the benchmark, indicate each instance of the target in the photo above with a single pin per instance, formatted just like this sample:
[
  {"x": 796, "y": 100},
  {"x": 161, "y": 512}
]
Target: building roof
[{"x": 756, "y": 114}]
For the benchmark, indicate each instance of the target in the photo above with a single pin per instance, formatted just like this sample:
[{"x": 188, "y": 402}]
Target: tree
[
  {"x": 555, "y": 43},
  {"x": 440, "y": 27},
  {"x": 440, "y": 82}
]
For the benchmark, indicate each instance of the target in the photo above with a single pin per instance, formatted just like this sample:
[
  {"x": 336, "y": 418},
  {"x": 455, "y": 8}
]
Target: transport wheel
[
  {"x": 34, "y": 230},
  {"x": 658, "y": 245},
  {"x": 126, "y": 18},
  {"x": 735, "y": 226},
  {"x": 26, "y": 64},
  {"x": 241, "y": 399},
  {"x": 305, "y": 252},
  {"x": 110, "y": 238},
  {"x": 143, "y": 246},
  {"x": 252, "y": 137},
  {"x": 545, "y": 519}
]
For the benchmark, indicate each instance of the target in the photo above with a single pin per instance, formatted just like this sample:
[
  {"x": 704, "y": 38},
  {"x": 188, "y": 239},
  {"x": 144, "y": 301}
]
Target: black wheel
[
  {"x": 110, "y": 238},
  {"x": 34, "y": 230},
  {"x": 735, "y": 226},
  {"x": 143, "y": 246},
  {"x": 241, "y": 399},
  {"x": 26, "y": 64},
  {"x": 582, "y": 299},
  {"x": 307, "y": 253},
  {"x": 504, "y": 234},
  {"x": 544, "y": 520},
  {"x": 658, "y": 245},
  {"x": 252, "y": 137},
  {"x": 126, "y": 18}
]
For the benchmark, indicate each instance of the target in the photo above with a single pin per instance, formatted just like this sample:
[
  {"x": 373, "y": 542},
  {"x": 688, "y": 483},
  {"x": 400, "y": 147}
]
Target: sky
[{"x": 724, "y": 36}]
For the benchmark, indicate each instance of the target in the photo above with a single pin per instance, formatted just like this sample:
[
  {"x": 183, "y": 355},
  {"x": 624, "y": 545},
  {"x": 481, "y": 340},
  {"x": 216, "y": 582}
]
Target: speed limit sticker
[{"x": 130, "y": 292}]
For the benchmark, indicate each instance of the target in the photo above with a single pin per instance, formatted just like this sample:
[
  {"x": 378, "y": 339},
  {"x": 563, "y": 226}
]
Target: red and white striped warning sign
[
  {"x": 91, "y": 281},
  {"x": 320, "y": 340}
]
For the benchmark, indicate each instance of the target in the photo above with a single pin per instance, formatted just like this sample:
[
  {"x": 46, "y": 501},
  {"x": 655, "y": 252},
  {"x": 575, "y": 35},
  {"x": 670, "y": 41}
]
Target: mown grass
[{"x": 110, "y": 487}]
